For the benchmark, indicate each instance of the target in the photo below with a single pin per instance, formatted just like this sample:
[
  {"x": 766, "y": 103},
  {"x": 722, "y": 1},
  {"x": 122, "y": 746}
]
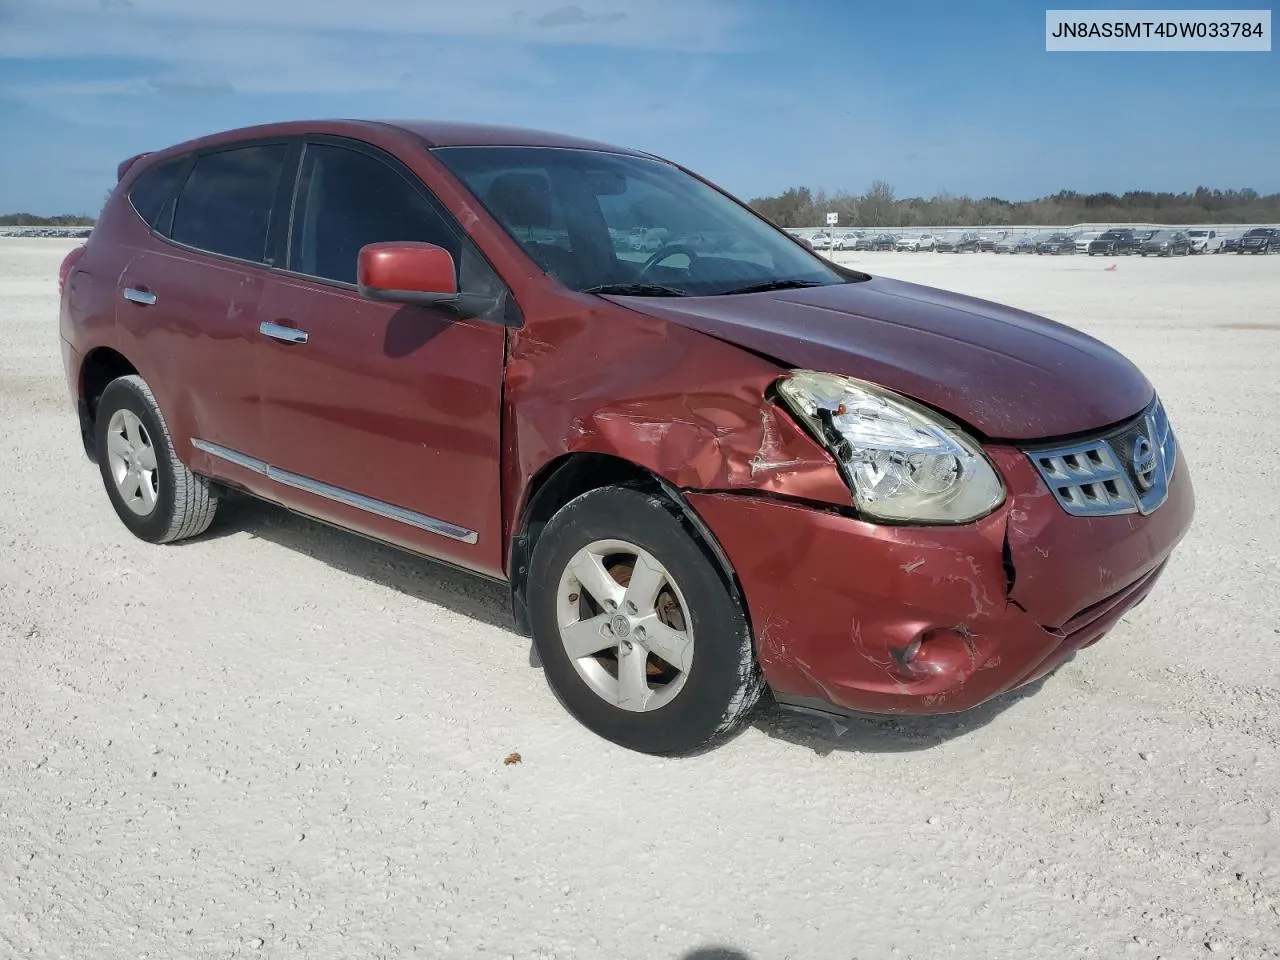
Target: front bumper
[{"x": 838, "y": 604}]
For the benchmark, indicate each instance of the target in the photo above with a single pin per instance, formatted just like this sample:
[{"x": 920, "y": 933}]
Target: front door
[{"x": 381, "y": 417}]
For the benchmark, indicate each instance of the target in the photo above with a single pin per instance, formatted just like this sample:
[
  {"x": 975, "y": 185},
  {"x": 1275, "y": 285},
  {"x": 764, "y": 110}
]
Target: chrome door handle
[
  {"x": 279, "y": 332},
  {"x": 144, "y": 297}
]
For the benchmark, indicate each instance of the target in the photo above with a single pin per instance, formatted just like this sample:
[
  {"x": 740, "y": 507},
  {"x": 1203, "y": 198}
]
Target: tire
[
  {"x": 159, "y": 504},
  {"x": 682, "y": 709}
]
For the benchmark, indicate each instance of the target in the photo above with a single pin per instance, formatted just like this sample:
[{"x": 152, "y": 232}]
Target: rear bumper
[{"x": 868, "y": 618}]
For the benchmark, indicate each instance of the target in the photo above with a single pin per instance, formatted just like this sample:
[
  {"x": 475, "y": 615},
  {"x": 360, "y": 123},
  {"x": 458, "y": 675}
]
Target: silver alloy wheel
[
  {"x": 625, "y": 625},
  {"x": 132, "y": 460}
]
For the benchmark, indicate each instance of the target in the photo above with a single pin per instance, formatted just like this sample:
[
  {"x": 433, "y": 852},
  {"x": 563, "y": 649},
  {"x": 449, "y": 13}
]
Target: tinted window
[
  {"x": 153, "y": 187},
  {"x": 347, "y": 199},
  {"x": 225, "y": 205}
]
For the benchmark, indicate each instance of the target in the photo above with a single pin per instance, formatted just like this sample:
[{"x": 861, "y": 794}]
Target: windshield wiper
[
  {"x": 776, "y": 285},
  {"x": 636, "y": 290}
]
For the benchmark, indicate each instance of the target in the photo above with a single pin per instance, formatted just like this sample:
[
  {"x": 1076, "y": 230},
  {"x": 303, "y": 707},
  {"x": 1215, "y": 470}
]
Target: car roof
[
  {"x": 441, "y": 133},
  {"x": 433, "y": 133}
]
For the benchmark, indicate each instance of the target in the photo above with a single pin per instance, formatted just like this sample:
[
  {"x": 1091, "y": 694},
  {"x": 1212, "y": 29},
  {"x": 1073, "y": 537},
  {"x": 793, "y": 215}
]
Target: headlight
[{"x": 903, "y": 462}]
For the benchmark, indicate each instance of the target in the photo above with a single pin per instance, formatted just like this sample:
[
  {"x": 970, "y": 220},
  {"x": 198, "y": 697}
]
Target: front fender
[{"x": 683, "y": 405}]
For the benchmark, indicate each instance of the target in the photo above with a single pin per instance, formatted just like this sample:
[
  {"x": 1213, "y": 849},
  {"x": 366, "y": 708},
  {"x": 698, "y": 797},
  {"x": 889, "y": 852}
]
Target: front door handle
[
  {"x": 286, "y": 334},
  {"x": 144, "y": 297}
]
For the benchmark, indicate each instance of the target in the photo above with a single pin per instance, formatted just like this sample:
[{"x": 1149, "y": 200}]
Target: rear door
[
  {"x": 381, "y": 417},
  {"x": 188, "y": 307}
]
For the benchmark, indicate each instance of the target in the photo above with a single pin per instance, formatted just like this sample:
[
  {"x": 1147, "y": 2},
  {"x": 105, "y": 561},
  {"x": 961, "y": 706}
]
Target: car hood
[{"x": 1009, "y": 374}]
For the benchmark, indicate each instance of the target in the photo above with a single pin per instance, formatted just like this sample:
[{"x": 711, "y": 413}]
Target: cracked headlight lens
[{"x": 903, "y": 462}]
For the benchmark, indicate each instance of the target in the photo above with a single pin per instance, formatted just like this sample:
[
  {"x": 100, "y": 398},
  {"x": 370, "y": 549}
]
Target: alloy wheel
[
  {"x": 625, "y": 625},
  {"x": 132, "y": 459}
]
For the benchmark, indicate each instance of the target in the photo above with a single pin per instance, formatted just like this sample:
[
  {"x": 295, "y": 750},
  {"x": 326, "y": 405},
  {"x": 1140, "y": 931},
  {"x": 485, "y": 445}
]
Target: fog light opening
[{"x": 937, "y": 651}]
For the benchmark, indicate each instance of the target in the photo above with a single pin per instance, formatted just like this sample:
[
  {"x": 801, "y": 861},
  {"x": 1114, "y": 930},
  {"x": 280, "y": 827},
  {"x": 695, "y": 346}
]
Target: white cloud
[{"x": 75, "y": 27}]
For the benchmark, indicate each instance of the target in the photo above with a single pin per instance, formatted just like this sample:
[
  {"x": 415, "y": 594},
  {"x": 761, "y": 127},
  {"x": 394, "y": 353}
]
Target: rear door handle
[
  {"x": 144, "y": 297},
  {"x": 277, "y": 331}
]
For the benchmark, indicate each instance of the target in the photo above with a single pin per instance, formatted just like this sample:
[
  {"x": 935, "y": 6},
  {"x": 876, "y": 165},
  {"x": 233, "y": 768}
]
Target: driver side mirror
[{"x": 407, "y": 272}]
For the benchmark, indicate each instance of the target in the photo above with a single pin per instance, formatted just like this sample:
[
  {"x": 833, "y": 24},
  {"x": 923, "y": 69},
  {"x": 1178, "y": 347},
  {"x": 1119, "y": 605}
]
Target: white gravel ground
[{"x": 279, "y": 740}]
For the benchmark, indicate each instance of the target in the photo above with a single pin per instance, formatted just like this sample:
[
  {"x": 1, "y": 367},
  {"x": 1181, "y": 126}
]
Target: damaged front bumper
[{"x": 864, "y": 617}]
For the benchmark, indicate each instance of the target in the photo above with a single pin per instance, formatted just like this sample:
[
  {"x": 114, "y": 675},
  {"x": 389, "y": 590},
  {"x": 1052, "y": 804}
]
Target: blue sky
[{"x": 758, "y": 95}]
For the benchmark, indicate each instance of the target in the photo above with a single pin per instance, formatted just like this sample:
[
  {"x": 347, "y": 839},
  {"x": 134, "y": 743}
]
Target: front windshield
[
  {"x": 612, "y": 223},
  {"x": 1257, "y": 233}
]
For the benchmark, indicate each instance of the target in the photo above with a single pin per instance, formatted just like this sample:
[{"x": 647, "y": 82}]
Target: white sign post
[{"x": 832, "y": 219}]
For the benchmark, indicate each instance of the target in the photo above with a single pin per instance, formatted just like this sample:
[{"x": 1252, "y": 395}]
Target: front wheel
[
  {"x": 152, "y": 491},
  {"x": 640, "y": 638}
]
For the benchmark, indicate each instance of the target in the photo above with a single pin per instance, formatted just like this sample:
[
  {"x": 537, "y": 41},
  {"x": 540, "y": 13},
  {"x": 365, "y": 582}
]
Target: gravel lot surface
[{"x": 279, "y": 740}]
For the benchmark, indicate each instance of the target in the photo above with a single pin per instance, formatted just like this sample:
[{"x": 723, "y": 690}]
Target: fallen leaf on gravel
[{"x": 512, "y": 759}]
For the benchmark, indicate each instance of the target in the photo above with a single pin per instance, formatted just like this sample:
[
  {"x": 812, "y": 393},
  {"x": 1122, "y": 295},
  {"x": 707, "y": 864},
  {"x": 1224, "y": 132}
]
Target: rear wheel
[
  {"x": 152, "y": 491},
  {"x": 640, "y": 637}
]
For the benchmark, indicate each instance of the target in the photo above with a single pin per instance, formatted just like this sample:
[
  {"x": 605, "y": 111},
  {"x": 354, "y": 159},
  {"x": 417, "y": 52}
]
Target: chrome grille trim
[{"x": 1124, "y": 470}]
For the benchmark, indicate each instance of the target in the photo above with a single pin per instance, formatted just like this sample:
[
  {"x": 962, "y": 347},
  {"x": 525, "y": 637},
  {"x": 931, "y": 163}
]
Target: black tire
[
  {"x": 185, "y": 503},
  {"x": 723, "y": 682}
]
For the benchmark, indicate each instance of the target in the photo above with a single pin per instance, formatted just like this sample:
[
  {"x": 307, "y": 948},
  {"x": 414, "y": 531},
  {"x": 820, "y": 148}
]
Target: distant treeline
[
  {"x": 31, "y": 220},
  {"x": 880, "y": 206}
]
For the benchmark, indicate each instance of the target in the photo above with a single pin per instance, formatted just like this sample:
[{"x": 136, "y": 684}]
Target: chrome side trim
[
  {"x": 231, "y": 456},
  {"x": 144, "y": 297},
  {"x": 329, "y": 492}
]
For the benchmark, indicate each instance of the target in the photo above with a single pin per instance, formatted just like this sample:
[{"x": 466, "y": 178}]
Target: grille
[{"x": 1125, "y": 470}]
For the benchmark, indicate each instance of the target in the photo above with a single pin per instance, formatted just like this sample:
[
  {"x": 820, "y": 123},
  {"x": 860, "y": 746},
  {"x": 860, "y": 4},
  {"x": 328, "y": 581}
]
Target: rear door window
[{"x": 225, "y": 205}]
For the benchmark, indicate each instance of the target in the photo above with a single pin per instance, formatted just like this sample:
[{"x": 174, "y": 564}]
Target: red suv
[{"x": 706, "y": 460}]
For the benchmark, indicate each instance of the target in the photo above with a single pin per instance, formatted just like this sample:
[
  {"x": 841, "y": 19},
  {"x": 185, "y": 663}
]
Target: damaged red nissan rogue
[{"x": 707, "y": 461}]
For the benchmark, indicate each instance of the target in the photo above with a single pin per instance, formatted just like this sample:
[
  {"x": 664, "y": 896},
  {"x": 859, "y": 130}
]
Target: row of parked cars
[
  {"x": 1165, "y": 242},
  {"x": 77, "y": 233}
]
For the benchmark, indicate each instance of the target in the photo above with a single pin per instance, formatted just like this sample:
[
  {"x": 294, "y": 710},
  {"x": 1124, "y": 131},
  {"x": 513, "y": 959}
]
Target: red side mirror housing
[{"x": 407, "y": 272}]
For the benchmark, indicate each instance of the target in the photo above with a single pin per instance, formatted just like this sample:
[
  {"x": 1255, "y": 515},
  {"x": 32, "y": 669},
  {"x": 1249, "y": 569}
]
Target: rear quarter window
[
  {"x": 153, "y": 188},
  {"x": 225, "y": 204}
]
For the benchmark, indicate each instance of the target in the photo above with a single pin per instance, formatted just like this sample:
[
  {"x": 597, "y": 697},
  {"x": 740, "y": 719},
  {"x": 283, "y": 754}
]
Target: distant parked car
[
  {"x": 1205, "y": 241},
  {"x": 925, "y": 241},
  {"x": 1230, "y": 243},
  {"x": 1055, "y": 244},
  {"x": 1084, "y": 238},
  {"x": 1015, "y": 244},
  {"x": 987, "y": 241},
  {"x": 957, "y": 243},
  {"x": 1166, "y": 243},
  {"x": 1260, "y": 240},
  {"x": 884, "y": 241},
  {"x": 1115, "y": 242},
  {"x": 820, "y": 241}
]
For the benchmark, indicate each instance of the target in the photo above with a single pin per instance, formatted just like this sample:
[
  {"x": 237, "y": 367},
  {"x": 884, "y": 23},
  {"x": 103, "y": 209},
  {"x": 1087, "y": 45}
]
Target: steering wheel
[{"x": 665, "y": 251}]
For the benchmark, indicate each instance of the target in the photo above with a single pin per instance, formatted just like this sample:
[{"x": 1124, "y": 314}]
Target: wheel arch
[
  {"x": 99, "y": 367},
  {"x": 572, "y": 474}
]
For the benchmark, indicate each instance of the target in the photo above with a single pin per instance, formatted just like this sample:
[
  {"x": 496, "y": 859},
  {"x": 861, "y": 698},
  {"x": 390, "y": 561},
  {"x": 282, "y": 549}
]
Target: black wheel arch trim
[{"x": 524, "y": 538}]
